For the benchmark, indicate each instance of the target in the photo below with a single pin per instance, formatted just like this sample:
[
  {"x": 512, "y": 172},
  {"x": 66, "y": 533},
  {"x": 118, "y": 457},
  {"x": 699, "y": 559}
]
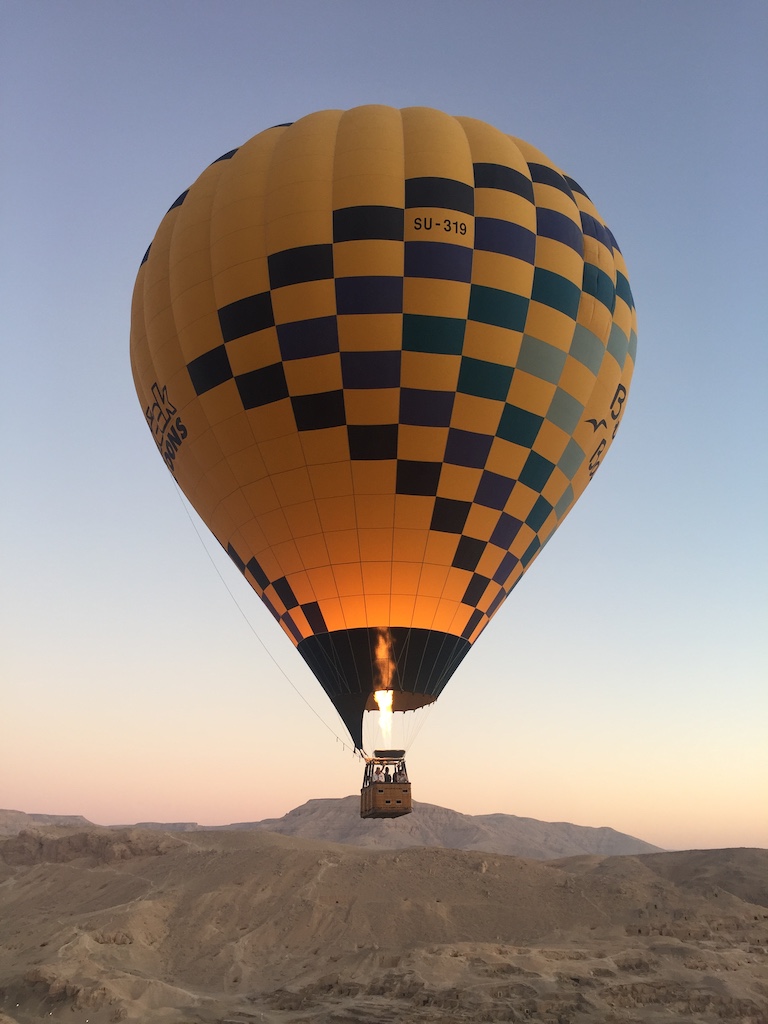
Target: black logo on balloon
[
  {"x": 617, "y": 408},
  {"x": 167, "y": 428}
]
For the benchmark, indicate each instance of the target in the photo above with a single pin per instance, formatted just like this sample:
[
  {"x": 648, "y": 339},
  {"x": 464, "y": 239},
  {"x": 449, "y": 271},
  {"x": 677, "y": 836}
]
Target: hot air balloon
[{"x": 383, "y": 352}]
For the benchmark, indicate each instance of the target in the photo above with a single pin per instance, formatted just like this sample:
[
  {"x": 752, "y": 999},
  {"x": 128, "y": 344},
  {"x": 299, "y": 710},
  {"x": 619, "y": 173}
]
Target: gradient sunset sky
[{"x": 624, "y": 681}]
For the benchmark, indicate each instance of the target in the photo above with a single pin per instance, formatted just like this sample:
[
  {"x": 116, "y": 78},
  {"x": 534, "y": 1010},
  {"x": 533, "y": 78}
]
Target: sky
[{"x": 623, "y": 683}]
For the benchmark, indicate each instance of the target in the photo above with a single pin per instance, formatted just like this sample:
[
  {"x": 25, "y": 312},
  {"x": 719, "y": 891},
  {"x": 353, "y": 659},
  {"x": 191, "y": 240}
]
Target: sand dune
[{"x": 204, "y": 926}]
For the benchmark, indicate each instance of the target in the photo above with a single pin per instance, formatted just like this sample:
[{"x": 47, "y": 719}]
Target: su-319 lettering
[{"x": 456, "y": 227}]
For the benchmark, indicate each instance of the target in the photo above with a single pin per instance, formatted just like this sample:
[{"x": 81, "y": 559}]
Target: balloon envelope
[{"x": 383, "y": 352}]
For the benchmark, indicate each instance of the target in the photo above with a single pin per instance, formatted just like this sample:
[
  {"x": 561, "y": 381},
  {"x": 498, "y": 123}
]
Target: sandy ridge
[{"x": 337, "y": 820}]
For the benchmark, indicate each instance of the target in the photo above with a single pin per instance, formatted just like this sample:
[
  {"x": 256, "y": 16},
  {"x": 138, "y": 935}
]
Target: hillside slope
[
  {"x": 250, "y": 925},
  {"x": 338, "y": 821},
  {"x": 430, "y": 825}
]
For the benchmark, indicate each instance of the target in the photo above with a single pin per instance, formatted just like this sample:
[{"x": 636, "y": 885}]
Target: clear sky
[{"x": 624, "y": 681}]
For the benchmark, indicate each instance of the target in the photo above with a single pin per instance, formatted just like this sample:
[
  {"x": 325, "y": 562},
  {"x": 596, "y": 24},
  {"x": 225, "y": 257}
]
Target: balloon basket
[{"x": 386, "y": 791}]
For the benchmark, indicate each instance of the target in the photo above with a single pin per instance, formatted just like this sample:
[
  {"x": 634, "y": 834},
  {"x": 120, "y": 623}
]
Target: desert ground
[{"x": 102, "y": 925}]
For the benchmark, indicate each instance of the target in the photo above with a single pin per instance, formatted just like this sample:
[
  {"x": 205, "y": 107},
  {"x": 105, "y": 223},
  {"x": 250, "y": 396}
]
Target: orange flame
[
  {"x": 384, "y": 663},
  {"x": 383, "y": 659},
  {"x": 384, "y": 700}
]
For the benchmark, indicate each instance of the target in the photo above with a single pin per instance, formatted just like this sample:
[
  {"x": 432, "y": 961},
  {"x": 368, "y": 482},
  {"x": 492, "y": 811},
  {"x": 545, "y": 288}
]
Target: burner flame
[{"x": 384, "y": 700}]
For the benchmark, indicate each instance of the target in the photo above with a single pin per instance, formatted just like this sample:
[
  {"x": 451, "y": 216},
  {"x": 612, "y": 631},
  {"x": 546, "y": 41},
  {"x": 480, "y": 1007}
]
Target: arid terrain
[
  {"x": 338, "y": 821},
  {"x": 101, "y": 925}
]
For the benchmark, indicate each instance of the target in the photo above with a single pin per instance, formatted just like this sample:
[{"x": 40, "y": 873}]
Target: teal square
[
  {"x": 530, "y": 551},
  {"x": 564, "y": 503},
  {"x": 633, "y": 346},
  {"x": 618, "y": 345},
  {"x": 519, "y": 426},
  {"x": 565, "y": 411},
  {"x": 484, "y": 379},
  {"x": 556, "y": 291},
  {"x": 587, "y": 348},
  {"x": 623, "y": 289},
  {"x": 498, "y": 308},
  {"x": 571, "y": 460},
  {"x": 437, "y": 334},
  {"x": 597, "y": 284},
  {"x": 541, "y": 360},
  {"x": 538, "y": 514},
  {"x": 536, "y": 471}
]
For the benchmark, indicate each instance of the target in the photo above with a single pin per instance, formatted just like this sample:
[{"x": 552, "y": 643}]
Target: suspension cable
[{"x": 252, "y": 628}]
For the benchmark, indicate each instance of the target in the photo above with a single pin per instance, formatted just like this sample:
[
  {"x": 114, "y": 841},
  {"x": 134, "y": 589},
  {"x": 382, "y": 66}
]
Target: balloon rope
[{"x": 253, "y": 629}]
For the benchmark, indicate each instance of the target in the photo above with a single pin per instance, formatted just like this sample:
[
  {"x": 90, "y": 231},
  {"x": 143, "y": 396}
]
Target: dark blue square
[
  {"x": 444, "y": 193},
  {"x": 465, "y": 448},
  {"x": 476, "y": 587},
  {"x": 438, "y": 260},
  {"x": 285, "y": 592},
  {"x": 468, "y": 553},
  {"x": 361, "y": 222},
  {"x": 546, "y": 175},
  {"x": 505, "y": 178},
  {"x": 505, "y": 530},
  {"x": 449, "y": 515},
  {"x": 417, "y": 477},
  {"x": 474, "y": 621},
  {"x": 262, "y": 387},
  {"x": 494, "y": 490},
  {"x": 258, "y": 573},
  {"x": 305, "y": 338},
  {"x": 246, "y": 316},
  {"x": 314, "y": 617},
  {"x": 426, "y": 408},
  {"x": 317, "y": 412},
  {"x": 209, "y": 370},
  {"x": 304, "y": 263},
  {"x": 506, "y": 237},
  {"x": 356, "y": 295},
  {"x": 236, "y": 558},
  {"x": 496, "y": 602},
  {"x": 287, "y": 621},
  {"x": 507, "y": 564},
  {"x": 553, "y": 224},
  {"x": 370, "y": 369},
  {"x": 372, "y": 441}
]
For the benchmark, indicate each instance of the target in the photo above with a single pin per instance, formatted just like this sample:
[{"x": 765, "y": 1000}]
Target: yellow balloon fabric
[{"x": 383, "y": 352}]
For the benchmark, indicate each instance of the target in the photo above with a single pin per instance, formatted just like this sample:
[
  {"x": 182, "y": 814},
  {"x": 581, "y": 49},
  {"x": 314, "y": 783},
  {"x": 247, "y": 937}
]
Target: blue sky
[{"x": 624, "y": 681}]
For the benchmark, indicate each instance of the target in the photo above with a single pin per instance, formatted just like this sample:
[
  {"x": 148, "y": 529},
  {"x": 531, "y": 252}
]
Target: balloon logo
[{"x": 383, "y": 352}]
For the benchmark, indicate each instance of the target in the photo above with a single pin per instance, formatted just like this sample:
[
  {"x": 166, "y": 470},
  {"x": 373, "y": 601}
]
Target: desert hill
[
  {"x": 429, "y": 825},
  {"x": 338, "y": 821},
  {"x": 12, "y": 822},
  {"x": 250, "y": 925}
]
